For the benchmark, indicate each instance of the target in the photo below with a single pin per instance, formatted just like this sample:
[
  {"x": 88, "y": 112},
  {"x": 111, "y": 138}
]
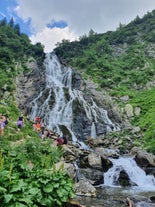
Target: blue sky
[
  {"x": 7, "y": 10},
  {"x": 51, "y": 21}
]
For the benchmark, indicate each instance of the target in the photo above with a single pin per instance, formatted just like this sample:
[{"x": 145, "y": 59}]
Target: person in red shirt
[{"x": 60, "y": 140}]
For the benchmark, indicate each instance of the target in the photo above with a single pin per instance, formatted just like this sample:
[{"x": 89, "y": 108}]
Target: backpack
[{"x": 6, "y": 121}]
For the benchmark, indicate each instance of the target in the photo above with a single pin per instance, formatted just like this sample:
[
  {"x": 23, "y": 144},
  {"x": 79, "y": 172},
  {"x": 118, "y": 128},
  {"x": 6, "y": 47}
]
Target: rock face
[
  {"x": 144, "y": 159},
  {"x": 29, "y": 85},
  {"x": 111, "y": 118},
  {"x": 81, "y": 123},
  {"x": 88, "y": 108}
]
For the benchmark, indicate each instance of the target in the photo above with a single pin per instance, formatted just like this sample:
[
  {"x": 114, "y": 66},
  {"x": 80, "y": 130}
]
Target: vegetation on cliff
[
  {"x": 15, "y": 49},
  {"x": 122, "y": 63}
]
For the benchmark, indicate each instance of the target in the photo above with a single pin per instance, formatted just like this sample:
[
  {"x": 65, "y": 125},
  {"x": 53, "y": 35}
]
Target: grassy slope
[{"x": 122, "y": 63}]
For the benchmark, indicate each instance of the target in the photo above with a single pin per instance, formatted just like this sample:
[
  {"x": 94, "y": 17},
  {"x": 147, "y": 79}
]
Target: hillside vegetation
[
  {"x": 122, "y": 63},
  {"x": 15, "y": 49},
  {"x": 28, "y": 177}
]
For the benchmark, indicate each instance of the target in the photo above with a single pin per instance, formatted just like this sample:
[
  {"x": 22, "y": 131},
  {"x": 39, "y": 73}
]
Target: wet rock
[
  {"x": 83, "y": 187},
  {"x": 152, "y": 198},
  {"x": 143, "y": 158},
  {"x": 124, "y": 179},
  {"x": 95, "y": 176},
  {"x": 95, "y": 161}
]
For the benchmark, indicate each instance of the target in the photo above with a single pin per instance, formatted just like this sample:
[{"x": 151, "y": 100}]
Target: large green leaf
[
  {"x": 34, "y": 191},
  {"x": 2, "y": 190},
  {"x": 8, "y": 197},
  {"x": 48, "y": 188}
]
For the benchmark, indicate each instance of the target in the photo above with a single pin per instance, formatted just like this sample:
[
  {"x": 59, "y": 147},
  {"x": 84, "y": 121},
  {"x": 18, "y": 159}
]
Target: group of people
[
  {"x": 4, "y": 122},
  {"x": 38, "y": 126},
  {"x": 43, "y": 132}
]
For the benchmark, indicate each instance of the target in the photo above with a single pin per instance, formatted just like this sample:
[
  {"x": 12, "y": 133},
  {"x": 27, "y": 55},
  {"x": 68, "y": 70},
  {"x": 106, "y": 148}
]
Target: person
[
  {"x": 37, "y": 127},
  {"x": 60, "y": 140},
  {"x": 42, "y": 127},
  {"x": 64, "y": 140},
  {"x": 6, "y": 120},
  {"x": 2, "y": 124},
  {"x": 37, "y": 119},
  {"x": 20, "y": 123}
]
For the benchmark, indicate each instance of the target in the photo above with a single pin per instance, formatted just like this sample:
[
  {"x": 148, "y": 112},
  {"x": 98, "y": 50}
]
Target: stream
[
  {"x": 111, "y": 194},
  {"x": 117, "y": 197}
]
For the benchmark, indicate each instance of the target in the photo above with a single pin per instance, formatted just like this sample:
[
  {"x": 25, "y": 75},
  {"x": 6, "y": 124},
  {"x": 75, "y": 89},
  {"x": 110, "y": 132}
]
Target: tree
[
  {"x": 91, "y": 32},
  {"x": 3, "y": 22},
  {"x": 11, "y": 23},
  {"x": 17, "y": 29}
]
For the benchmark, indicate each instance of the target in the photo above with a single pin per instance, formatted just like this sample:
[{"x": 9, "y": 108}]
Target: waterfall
[
  {"x": 54, "y": 104},
  {"x": 93, "y": 131},
  {"x": 135, "y": 173}
]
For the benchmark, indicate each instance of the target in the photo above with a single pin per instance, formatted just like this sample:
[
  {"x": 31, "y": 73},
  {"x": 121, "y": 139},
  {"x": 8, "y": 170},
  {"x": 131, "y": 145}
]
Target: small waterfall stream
[
  {"x": 56, "y": 108},
  {"x": 136, "y": 175},
  {"x": 110, "y": 194},
  {"x": 93, "y": 131}
]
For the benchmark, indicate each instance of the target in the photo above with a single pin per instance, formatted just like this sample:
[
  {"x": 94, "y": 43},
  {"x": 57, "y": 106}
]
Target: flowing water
[
  {"x": 136, "y": 174},
  {"x": 111, "y": 195},
  {"x": 117, "y": 197},
  {"x": 56, "y": 108}
]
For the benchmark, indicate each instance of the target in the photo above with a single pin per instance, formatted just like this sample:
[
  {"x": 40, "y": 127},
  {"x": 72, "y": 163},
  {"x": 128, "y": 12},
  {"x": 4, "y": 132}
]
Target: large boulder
[
  {"x": 143, "y": 158},
  {"x": 93, "y": 175},
  {"x": 85, "y": 188}
]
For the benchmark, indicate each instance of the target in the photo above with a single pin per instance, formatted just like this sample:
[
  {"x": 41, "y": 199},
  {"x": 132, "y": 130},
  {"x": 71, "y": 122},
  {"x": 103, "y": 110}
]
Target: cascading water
[
  {"x": 56, "y": 108},
  {"x": 93, "y": 131},
  {"x": 135, "y": 173}
]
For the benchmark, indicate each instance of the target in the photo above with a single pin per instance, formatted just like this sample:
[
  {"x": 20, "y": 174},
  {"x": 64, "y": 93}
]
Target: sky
[{"x": 51, "y": 21}]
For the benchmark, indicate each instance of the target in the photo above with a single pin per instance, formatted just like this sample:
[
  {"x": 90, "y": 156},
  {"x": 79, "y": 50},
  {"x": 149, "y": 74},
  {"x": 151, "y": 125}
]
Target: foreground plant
[
  {"x": 25, "y": 183},
  {"x": 40, "y": 188}
]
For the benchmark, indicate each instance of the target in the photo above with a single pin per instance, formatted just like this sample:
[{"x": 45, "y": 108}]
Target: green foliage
[
  {"x": 145, "y": 100},
  {"x": 15, "y": 49},
  {"x": 28, "y": 174},
  {"x": 122, "y": 63},
  {"x": 27, "y": 166},
  {"x": 39, "y": 188}
]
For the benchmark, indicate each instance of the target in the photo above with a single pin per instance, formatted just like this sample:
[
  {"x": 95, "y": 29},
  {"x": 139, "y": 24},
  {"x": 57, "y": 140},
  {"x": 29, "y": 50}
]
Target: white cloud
[
  {"x": 49, "y": 37},
  {"x": 2, "y": 14},
  {"x": 81, "y": 15}
]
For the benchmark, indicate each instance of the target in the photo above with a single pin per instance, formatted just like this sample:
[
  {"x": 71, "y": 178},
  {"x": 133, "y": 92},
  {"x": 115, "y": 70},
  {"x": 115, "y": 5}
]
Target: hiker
[
  {"x": 2, "y": 124},
  {"x": 37, "y": 127},
  {"x": 6, "y": 120},
  {"x": 20, "y": 123},
  {"x": 37, "y": 119},
  {"x": 65, "y": 140},
  {"x": 60, "y": 140},
  {"x": 42, "y": 127},
  {"x": 44, "y": 131}
]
